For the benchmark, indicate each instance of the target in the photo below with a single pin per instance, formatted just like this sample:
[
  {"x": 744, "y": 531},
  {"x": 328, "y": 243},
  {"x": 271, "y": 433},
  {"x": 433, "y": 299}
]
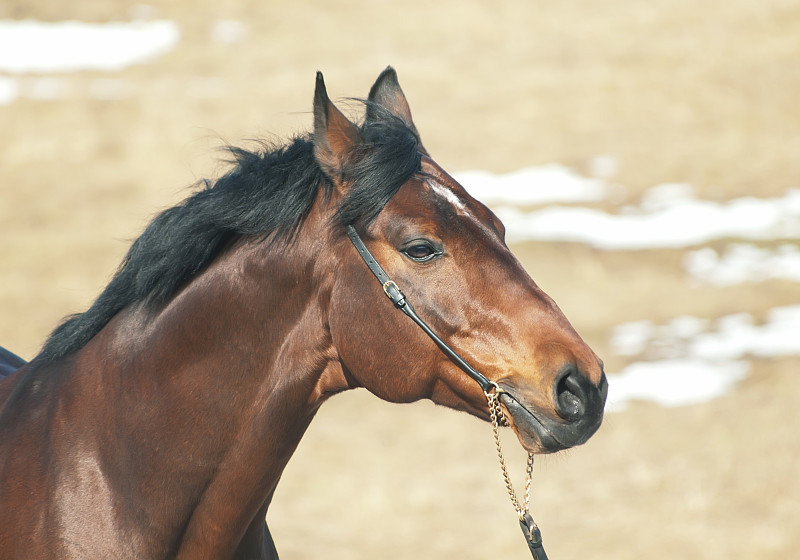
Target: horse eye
[{"x": 420, "y": 252}]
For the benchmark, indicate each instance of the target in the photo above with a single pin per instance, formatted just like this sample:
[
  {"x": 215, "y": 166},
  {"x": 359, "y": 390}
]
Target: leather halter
[{"x": 400, "y": 302}]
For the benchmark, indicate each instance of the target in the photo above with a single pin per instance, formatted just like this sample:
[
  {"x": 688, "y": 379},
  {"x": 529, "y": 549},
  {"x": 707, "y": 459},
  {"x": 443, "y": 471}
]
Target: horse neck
[{"x": 226, "y": 378}]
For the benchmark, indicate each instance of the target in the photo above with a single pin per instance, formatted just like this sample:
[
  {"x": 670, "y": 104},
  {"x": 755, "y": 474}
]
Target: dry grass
[{"x": 701, "y": 92}]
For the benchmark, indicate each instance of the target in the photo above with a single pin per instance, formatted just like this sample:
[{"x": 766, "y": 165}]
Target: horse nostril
[{"x": 571, "y": 395}]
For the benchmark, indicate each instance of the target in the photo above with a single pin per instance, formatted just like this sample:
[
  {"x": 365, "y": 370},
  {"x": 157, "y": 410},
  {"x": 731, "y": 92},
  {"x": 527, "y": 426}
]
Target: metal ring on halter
[{"x": 494, "y": 386}]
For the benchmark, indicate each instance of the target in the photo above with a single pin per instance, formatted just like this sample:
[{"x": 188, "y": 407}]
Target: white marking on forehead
[{"x": 448, "y": 195}]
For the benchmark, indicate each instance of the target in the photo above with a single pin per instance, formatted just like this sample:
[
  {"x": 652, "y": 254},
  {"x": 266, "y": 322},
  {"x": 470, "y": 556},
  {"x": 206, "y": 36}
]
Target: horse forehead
[{"x": 447, "y": 190}]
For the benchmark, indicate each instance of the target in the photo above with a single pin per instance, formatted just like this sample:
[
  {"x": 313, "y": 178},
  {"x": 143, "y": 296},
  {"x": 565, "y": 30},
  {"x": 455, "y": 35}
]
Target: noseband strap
[{"x": 399, "y": 300}]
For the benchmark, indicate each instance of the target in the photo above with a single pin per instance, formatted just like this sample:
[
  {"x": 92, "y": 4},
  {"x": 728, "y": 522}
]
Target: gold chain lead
[{"x": 499, "y": 419}]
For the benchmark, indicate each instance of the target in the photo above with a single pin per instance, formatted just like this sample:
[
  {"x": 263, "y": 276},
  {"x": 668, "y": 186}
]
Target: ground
[{"x": 675, "y": 91}]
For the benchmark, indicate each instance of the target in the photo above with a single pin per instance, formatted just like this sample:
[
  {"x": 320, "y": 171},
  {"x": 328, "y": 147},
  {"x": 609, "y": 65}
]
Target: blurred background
[{"x": 676, "y": 122}]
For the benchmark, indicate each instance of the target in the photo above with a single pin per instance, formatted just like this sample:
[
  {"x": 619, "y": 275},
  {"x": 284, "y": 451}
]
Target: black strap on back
[{"x": 400, "y": 302}]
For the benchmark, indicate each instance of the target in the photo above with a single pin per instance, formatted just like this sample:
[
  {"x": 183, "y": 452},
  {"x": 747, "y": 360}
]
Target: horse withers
[{"x": 157, "y": 423}]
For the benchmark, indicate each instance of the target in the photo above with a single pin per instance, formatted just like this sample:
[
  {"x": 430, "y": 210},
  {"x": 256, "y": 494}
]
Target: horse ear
[
  {"x": 335, "y": 137},
  {"x": 386, "y": 93}
]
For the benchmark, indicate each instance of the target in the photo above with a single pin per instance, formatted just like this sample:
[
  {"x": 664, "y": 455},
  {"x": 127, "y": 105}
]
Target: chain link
[{"x": 499, "y": 419}]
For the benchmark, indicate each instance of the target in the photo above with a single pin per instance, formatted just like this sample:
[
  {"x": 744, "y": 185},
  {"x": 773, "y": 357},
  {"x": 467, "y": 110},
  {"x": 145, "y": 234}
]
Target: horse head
[{"x": 447, "y": 252}]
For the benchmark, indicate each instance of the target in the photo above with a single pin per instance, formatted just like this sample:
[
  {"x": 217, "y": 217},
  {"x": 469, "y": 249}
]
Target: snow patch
[
  {"x": 673, "y": 382},
  {"x": 689, "y": 363},
  {"x": 71, "y": 46},
  {"x": 741, "y": 263},
  {"x": 660, "y": 222},
  {"x": 9, "y": 90},
  {"x": 532, "y": 186}
]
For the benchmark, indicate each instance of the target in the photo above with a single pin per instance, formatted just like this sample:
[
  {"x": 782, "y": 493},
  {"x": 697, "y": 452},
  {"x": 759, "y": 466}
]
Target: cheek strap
[{"x": 399, "y": 300}]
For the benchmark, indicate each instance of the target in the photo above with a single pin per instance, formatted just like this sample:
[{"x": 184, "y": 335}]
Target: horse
[{"x": 157, "y": 423}]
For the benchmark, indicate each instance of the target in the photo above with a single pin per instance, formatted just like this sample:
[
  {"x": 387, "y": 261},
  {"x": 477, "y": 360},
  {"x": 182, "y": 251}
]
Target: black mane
[{"x": 267, "y": 192}]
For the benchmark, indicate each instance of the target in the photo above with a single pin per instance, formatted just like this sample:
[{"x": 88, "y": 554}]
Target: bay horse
[{"x": 157, "y": 423}]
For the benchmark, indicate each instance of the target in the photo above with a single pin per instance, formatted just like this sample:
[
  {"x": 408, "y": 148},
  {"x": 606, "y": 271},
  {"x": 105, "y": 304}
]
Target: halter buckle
[
  {"x": 393, "y": 292},
  {"x": 389, "y": 284}
]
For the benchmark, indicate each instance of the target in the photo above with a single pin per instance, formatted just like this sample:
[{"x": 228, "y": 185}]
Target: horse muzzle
[{"x": 577, "y": 412}]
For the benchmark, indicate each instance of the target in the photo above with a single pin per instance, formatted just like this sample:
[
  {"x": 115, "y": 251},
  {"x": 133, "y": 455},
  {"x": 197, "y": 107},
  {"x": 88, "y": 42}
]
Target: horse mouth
[
  {"x": 531, "y": 432},
  {"x": 540, "y": 434}
]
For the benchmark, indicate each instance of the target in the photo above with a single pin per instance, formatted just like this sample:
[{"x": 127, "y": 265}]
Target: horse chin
[{"x": 534, "y": 436}]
